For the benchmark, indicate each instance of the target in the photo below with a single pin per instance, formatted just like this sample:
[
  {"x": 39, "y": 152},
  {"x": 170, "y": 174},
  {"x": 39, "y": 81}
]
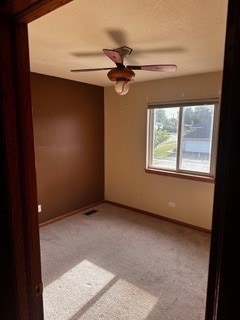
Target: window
[{"x": 182, "y": 138}]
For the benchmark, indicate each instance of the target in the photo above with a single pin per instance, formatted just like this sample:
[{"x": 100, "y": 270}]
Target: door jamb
[{"x": 19, "y": 178}]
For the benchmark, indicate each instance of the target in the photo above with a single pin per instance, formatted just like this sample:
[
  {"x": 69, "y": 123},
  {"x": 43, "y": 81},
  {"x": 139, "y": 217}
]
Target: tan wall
[
  {"x": 125, "y": 151},
  {"x": 69, "y": 144}
]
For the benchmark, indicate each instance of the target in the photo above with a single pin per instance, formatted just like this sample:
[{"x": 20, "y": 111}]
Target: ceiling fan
[{"x": 122, "y": 74}]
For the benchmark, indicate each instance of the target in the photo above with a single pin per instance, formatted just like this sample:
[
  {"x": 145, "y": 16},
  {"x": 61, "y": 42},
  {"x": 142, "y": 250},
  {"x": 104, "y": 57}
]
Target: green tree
[
  {"x": 200, "y": 114},
  {"x": 170, "y": 125},
  {"x": 160, "y": 117},
  {"x": 160, "y": 136},
  {"x": 188, "y": 116}
]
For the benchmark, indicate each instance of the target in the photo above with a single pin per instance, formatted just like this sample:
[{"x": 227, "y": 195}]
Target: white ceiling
[{"x": 188, "y": 33}]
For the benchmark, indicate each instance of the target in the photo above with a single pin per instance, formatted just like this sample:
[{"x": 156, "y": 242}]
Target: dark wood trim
[
  {"x": 223, "y": 280},
  {"x": 27, "y": 167},
  {"x": 32, "y": 9},
  {"x": 11, "y": 208},
  {"x": 39, "y": 9},
  {"x": 180, "y": 175},
  {"x": 66, "y": 215},
  {"x": 158, "y": 216},
  {"x": 222, "y": 299}
]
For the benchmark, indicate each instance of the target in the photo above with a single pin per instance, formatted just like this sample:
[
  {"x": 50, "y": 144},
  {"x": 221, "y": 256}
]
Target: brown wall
[{"x": 68, "y": 119}]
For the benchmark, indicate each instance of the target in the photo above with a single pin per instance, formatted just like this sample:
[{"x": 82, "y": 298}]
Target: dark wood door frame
[{"x": 19, "y": 234}]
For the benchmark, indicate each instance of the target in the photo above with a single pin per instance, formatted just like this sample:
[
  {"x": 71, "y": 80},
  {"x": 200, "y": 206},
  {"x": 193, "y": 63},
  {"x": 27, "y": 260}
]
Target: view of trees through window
[{"x": 182, "y": 137}]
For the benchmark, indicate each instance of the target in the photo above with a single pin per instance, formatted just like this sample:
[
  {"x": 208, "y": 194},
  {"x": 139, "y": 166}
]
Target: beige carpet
[{"x": 117, "y": 264}]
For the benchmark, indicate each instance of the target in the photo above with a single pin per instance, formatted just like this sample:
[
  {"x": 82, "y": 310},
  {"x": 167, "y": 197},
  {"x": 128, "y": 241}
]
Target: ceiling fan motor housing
[{"x": 117, "y": 74}]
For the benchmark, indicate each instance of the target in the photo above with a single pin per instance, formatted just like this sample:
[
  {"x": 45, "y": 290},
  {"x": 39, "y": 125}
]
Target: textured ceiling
[{"x": 188, "y": 33}]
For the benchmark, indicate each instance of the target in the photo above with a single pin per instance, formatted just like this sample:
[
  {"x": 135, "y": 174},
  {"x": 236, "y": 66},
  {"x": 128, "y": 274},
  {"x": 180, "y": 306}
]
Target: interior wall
[
  {"x": 68, "y": 119},
  {"x": 126, "y": 181}
]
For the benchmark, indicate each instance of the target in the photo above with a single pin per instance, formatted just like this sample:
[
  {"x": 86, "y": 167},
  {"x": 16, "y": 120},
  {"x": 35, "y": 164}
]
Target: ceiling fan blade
[
  {"x": 114, "y": 56},
  {"x": 155, "y": 67},
  {"x": 92, "y": 69}
]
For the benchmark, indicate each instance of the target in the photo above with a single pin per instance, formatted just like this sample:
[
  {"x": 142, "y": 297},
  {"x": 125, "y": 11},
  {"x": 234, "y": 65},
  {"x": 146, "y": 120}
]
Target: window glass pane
[
  {"x": 196, "y": 138},
  {"x": 165, "y": 128}
]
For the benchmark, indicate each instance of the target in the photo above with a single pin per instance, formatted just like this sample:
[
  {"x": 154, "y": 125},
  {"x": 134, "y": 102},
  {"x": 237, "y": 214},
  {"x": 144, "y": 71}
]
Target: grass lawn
[{"x": 165, "y": 149}]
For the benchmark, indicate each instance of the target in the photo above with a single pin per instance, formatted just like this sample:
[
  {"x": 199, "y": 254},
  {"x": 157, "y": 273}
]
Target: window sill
[{"x": 181, "y": 175}]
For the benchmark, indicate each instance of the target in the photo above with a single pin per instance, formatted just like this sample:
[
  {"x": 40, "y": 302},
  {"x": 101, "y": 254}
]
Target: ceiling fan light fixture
[
  {"x": 122, "y": 75},
  {"x": 122, "y": 87}
]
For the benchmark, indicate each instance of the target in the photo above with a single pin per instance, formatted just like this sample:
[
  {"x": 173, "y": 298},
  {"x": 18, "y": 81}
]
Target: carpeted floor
[{"x": 117, "y": 264}]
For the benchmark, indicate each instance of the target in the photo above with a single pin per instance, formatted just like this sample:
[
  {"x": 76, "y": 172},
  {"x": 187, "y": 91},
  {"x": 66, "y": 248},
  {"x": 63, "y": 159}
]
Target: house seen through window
[{"x": 182, "y": 138}]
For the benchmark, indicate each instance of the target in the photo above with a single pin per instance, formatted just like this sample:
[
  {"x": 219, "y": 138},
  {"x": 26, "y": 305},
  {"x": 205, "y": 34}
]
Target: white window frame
[{"x": 209, "y": 177}]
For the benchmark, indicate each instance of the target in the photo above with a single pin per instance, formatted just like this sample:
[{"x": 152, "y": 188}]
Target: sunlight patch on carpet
[
  {"x": 122, "y": 301},
  {"x": 73, "y": 290},
  {"x": 87, "y": 292}
]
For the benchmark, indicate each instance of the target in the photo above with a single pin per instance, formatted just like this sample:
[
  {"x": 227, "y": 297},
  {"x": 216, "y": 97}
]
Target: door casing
[{"x": 19, "y": 219}]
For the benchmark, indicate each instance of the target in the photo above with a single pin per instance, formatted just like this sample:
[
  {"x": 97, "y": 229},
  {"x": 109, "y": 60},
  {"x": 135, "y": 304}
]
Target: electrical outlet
[
  {"x": 39, "y": 208},
  {"x": 171, "y": 204}
]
